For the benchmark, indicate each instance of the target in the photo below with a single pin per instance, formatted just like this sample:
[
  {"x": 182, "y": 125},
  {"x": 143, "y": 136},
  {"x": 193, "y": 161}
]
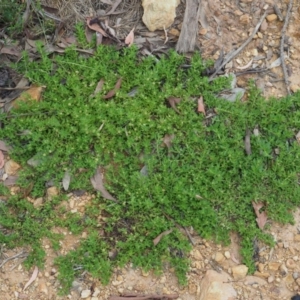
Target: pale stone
[
  {"x": 203, "y": 31},
  {"x": 197, "y": 255},
  {"x": 239, "y": 272},
  {"x": 290, "y": 263},
  {"x": 11, "y": 167},
  {"x": 264, "y": 26},
  {"x": 227, "y": 254},
  {"x": 274, "y": 266},
  {"x": 271, "y": 17},
  {"x": 38, "y": 202},
  {"x": 96, "y": 292},
  {"x": 85, "y": 294},
  {"x": 218, "y": 257},
  {"x": 251, "y": 280},
  {"x": 214, "y": 286},
  {"x": 159, "y": 14},
  {"x": 271, "y": 279},
  {"x": 174, "y": 31},
  {"x": 254, "y": 52},
  {"x": 245, "y": 19},
  {"x": 192, "y": 288},
  {"x": 43, "y": 287},
  {"x": 261, "y": 267},
  {"x": 52, "y": 192},
  {"x": 283, "y": 270},
  {"x": 294, "y": 88}
]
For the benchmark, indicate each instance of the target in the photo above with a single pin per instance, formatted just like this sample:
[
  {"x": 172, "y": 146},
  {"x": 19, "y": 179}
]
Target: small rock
[
  {"x": 262, "y": 275},
  {"x": 297, "y": 238},
  {"x": 11, "y": 167},
  {"x": 43, "y": 287},
  {"x": 197, "y": 255},
  {"x": 295, "y": 275},
  {"x": 245, "y": 19},
  {"x": 261, "y": 267},
  {"x": 239, "y": 272},
  {"x": 283, "y": 270},
  {"x": 85, "y": 294},
  {"x": 271, "y": 279},
  {"x": 227, "y": 254},
  {"x": 203, "y": 31},
  {"x": 254, "y": 52},
  {"x": 163, "y": 279},
  {"x": 52, "y": 192},
  {"x": 38, "y": 202},
  {"x": 94, "y": 298},
  {"x": 294, "y": 88},
  {"x": 290, "y": 263},
  {"x": 274, "y": 266},
  {"x": 96, "y": 292},
  {"x": 250, "y": 280},
  {"x": 192, "y": 288},
  {"x": 214, "y": 286},
  {"x": 72, "y": 203},
  {"x": 264, "y": 26},
  {"x": 174, "y": 31},
  {"x": 218, "y": 257},
  {"x": 145, "y": 274},
  {"x": 159, "y": 14},
  {"x": 289, "y": 279},
  {"x": 272, "y": 17}
]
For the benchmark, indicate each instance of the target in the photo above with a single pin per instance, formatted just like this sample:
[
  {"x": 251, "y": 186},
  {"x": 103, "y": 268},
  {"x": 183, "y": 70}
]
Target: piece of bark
[{"x": 189, "y": 31}]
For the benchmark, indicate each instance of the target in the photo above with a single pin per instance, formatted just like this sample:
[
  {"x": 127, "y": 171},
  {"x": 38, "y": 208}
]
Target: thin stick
[
  {"x": 286, "y": 22},
  {"x": 21, "y": 254},
  {"x": 237, "y": 51}
]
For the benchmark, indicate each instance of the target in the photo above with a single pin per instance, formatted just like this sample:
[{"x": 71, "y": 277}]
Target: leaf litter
[
  {"x": 261, "y": 216},
  {"x": 97, "y": 182}
]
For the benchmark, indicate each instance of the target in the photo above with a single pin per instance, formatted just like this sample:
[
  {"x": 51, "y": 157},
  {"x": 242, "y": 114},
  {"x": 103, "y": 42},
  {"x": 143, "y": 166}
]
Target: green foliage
[
  {"x": 10, "y": 15},
  {"x": 204, "y": 180}
]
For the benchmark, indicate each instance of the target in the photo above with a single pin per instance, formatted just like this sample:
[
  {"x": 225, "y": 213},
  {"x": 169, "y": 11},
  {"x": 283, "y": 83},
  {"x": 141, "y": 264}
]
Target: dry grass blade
[
  {"x": 116, "y": 4},
  {"x": 32, "y": 278},
  {"x": 160, "y": 236},
  {"x": 2, "y": 160},
  {"x": 98, "y": 185},
  {"x": 248, "y": 142},
  {"x": 112, "y": 92},
  {"x": 173, "y": 101}
]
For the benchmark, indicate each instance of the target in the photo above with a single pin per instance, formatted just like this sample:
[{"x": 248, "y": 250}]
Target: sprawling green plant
[{"x": 204, "y": 179}]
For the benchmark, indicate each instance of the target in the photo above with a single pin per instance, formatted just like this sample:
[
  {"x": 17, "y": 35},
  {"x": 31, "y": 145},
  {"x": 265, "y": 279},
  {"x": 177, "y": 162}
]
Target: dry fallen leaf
[
  {"x": 201, "y": 108},
  {"x": 66, "y": 180},
  {"x": 99, "y": 38},
  {"x": 11, "y": 180},
  {"x": 261, "y": 216},
  {"x": 159, "y": 237},
  {"x": 130, "y": 38},
  {"x": 32, "y": 278},
  {"x": 4, "y": 147},
  {"x": 167, "y": 140},
  {"x": 98, "y": 185},
  {"x": 33, "y": 93},
  {"x": 112, "y": 92},
  {"x": 248, "y": 142},
  {"x": 2, "y": 161},
  {"x": 173, "y": 102},
  {"x": 10, "y": 50},
  {"x": 98, "y": 87},
  {"x": 95, "y": 26}
]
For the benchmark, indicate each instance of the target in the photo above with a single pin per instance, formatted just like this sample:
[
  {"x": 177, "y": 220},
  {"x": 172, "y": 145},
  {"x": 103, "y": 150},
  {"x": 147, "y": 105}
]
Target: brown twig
[
  {"x": 19, "y": 255},
  {"x": 188, "y": 34},
  {"x": 278, "y": 12},
  {"x": 237, "y": 51},
  {"x": 286, "y": 22}
]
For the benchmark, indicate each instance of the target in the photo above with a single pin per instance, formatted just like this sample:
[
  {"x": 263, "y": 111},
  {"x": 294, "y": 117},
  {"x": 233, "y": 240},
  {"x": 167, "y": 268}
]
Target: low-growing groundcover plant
[{"x": 166, "y": 168}]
